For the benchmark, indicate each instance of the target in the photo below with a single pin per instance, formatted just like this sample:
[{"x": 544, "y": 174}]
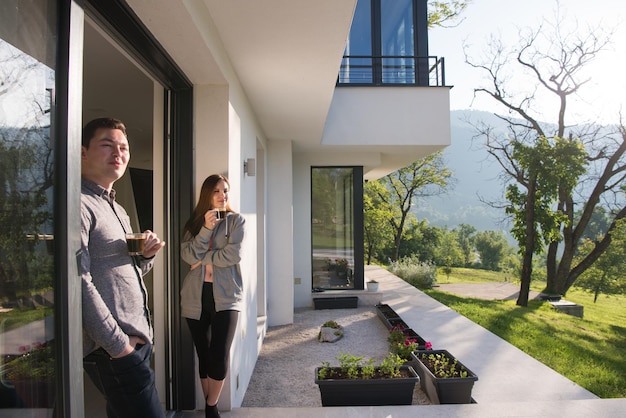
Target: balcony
[{"x": 392, "y": 70}]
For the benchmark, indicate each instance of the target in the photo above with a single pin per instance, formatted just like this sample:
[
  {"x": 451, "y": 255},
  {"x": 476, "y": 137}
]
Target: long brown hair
[{"x": 205, "y": 203}]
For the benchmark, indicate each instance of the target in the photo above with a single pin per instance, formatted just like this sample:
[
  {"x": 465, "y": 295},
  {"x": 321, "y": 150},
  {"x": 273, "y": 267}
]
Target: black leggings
[{"x": 212, "y": 336}]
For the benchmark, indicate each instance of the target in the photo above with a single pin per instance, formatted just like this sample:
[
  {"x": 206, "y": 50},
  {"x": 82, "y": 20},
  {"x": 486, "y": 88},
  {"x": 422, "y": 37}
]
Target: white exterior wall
[
  {"x": 302, "y": 231},
  {"x": 280, "y": 251},
  {"x": 225, "y": 135}
]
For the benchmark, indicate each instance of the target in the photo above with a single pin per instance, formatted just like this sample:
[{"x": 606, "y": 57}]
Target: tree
[
  {"x": 542, "y": 162},
  {"x": 377, "y": 230},
  {"x": 466, "y": 234},
  {"x": 442, "y": 13},
  {"x": 420, "y": 241},
  {"x": 449, "y": 253},
  {"x": 492, "y": 247},
  {"x": 26, "y": 174},
  {"x": 426, "y": 177},
  {"x": 607, "y": 274}
]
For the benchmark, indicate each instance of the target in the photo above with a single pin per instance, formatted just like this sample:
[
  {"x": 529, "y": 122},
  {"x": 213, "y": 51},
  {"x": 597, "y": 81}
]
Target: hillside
[{"x": 475, "y": 179}]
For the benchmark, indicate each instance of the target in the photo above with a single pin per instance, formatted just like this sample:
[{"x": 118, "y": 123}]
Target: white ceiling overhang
[{"x": 285, "y": 54}]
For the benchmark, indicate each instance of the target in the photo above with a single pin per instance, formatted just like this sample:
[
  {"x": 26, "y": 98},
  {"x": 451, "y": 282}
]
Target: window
[
  {"x": 27, "y": 344},
  {"x": 388, "y": 45},
  {"x": 337, "y": 227}
]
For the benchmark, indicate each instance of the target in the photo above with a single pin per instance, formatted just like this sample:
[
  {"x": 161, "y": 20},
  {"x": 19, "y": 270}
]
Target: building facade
[{"x": 297, "y": 102}]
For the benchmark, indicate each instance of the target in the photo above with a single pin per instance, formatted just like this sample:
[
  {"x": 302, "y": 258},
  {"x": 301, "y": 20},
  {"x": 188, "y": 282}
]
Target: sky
[{"x": 601, "y": 99}]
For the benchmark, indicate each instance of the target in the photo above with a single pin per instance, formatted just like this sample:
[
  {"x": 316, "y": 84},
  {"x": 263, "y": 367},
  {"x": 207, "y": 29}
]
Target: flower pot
[
  {"x": 370, "y": 392},
  {"x": 443, "y": 390},
  {"x": 372, "y": 286}
]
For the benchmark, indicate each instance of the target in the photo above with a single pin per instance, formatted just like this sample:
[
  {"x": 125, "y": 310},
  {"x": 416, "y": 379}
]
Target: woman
[{"x": 212, "y": 293}]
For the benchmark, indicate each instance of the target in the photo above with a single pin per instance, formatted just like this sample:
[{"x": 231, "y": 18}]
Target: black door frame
[{"x": 125, "y": 27}]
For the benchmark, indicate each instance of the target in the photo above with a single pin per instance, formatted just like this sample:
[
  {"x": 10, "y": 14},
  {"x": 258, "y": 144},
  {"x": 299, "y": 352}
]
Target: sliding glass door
[{"x": 337, "y": 227}]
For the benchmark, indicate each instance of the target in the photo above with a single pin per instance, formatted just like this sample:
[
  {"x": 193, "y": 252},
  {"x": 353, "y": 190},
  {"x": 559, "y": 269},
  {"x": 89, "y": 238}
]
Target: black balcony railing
[{"x": 390, "y": 70}]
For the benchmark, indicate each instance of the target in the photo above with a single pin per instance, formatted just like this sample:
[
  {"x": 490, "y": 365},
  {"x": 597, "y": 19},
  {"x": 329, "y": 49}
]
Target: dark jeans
[{"x": 127, "y": 383}]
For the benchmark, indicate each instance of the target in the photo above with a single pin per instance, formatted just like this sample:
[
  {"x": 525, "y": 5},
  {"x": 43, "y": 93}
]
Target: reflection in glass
[
  {"x": 356, "y": 66},
  {"x": 332, "y": 226},
  {"x": 397, "y": 41},
  {"x": 27, "y": 360}
]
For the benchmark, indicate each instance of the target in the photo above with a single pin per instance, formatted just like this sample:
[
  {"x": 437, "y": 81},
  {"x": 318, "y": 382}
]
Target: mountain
[{"x": 475, "y": 180}]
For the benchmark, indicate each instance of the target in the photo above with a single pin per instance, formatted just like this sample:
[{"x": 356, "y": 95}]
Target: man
[{"x": 117, "y": 332}]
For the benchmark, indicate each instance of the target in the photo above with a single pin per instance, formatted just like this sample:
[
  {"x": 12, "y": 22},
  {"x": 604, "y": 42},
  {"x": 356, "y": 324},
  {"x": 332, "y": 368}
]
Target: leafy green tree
[
  {"x": 426, "y": 177},
  {"x": 543, "y": 169},
  {"x": 26, "y": 175},
  {"x": 466, "y": 235},
  {"x": 377, "y": 230},
  {"x": 552, "y": 169},
  {"x": 492, "y": 247},
  {"x": 607, "y": 275},
  {"x": 420, "y": 241},
  {"x": 443, "y": 13},
  {"x": 598, "y": 224},
  {"x": 449, "y": 253}
]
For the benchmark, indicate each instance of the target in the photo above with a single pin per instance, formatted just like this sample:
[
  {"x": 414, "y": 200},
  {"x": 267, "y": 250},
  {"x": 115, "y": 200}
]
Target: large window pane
[
  {"x": 356, "y": 66},
  {"x": 397, "y": 41},
  {"x": 332, "y": 227},
  {"x": 27, "y": 353}
]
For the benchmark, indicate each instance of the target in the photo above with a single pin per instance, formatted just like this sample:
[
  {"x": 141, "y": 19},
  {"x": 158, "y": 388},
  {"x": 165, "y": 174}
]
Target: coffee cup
[
  {"x": 135, "y": 242},
  {"x": 220, "y": 214}
]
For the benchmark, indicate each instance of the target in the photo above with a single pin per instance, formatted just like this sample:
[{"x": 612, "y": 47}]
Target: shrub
[{"x": 416, "y": 273}]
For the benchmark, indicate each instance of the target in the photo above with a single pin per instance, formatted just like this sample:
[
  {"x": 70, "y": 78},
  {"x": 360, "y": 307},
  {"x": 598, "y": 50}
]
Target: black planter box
[
  {"x": 386, "y": 312},
  {"x": 336, "y": 302},
  {"x": 372, "y": 392},
  {"x": 397, "y": 322},
  {"x": 454, "y": 390}
]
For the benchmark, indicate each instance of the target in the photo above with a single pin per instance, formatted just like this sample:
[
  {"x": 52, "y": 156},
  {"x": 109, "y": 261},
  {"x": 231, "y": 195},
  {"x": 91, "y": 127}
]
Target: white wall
[
  {"x": 280, "y": 201},
  {"x": 302, "y": 230},
  {"x": 225, "y": 135}
]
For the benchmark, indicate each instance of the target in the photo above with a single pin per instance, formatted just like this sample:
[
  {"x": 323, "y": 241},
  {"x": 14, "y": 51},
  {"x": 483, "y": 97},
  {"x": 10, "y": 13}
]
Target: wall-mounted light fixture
[{"x": 249, "y": 167}]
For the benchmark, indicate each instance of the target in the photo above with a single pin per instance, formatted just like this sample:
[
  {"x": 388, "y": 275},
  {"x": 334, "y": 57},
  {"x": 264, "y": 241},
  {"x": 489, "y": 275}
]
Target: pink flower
[{"x": 429, "y": 346}]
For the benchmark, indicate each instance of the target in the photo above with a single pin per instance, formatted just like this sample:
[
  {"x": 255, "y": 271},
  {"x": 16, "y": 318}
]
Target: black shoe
[{"x": 211, "y": 411}]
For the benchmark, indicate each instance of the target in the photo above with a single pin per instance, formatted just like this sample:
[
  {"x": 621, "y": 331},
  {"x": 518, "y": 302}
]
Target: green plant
[
  {"x": 416, "y": 273},
  {"x": 443, "y": 366},
  {"x": 355, "y": 367},
  {"x": 396, "y": 335},
  {"x": 330, "y": 324},
  {"x": 36, "y": 363},
  {"x": 350, "y": 364},
  {"x": 390, "y": 366},
  {"x": 400, "y": 344}
]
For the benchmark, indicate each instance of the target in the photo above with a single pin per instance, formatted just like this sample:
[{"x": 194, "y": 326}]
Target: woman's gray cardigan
[{"x": 225, "y": 255}]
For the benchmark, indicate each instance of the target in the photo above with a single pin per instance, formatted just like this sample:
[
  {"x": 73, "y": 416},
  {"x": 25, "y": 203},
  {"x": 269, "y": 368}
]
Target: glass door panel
[
  {"x": 27, "y": 85},
  {"x": 332, "y": 227}
]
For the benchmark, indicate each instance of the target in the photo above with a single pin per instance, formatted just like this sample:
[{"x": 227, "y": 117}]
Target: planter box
[
  {"x": 371, "y": 392},
  {"x": 397, "y": 322},
  {"x": 336, "y": 302},
  {"x": 386, "y": 312},
  {"x": 452, "y": 390}
]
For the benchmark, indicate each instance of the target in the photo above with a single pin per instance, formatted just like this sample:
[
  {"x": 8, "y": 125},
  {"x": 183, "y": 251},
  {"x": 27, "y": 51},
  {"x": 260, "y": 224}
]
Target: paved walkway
[
  {"x": 511, "y": 383},
  {"x": 499, "y": 291}
]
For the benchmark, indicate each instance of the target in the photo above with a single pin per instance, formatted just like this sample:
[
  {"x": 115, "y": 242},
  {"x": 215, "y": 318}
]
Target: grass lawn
[{"x": 589, "y": 351}]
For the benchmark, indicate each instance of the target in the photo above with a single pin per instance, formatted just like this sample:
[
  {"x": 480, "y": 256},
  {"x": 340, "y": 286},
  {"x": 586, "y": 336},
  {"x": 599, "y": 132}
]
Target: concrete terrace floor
[{"x": 511, "y": 383}]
